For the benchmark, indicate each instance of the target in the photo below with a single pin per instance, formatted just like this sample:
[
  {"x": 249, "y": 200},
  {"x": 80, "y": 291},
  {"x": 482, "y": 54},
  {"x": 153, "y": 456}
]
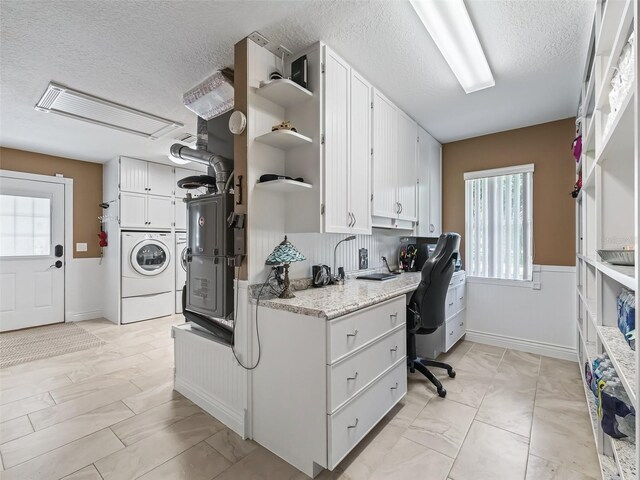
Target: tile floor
[{"x": 111, "y": 413}]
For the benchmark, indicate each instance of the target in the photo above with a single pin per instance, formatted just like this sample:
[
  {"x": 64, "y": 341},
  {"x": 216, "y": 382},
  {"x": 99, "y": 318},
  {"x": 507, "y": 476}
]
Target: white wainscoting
[
  {"x": 208, "y": 374},
  {"x": 85, "y": 283},
  {"x": 517, "y": 316}
]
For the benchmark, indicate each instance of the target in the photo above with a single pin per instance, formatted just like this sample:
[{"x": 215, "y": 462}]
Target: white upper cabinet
[
  {"x": 179, "y": 214},
  {"x": 160, "y": 180},
  {"x": 133, "y": 175},
  {"x": 430, "y": 191},
  {"x": 133, "y": 210},
  {"x": 407, "y": 175},
  {"x": 138, "y": 176},
  {"x": 347, "y": 148},
  {"x": 159, "y": 212},
  {"x": 385, "y": 168},
  {"x": 360, "y": 155},
  {"x": 337, "y": 217}
]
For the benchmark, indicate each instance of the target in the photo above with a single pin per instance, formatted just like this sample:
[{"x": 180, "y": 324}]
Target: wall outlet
[
  {"x": 81, "y": 247},
  {"x": 363, "y": 259}
]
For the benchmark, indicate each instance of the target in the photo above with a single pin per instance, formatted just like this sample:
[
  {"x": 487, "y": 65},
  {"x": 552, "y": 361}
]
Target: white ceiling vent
[
  {"x": 74, "y": 104},
  {"x": 185, "y": 138}
]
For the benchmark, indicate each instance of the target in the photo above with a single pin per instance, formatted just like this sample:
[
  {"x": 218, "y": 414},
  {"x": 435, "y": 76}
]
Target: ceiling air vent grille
[{"x": 74, "y": 104}]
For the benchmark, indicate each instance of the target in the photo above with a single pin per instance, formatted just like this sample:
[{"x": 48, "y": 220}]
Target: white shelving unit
[
  {"x": 607, "y": 212},
  {"x": 284, "y": 139},
  {"x": 284, "y": 185},
  {"x": 284, "y": 92}
]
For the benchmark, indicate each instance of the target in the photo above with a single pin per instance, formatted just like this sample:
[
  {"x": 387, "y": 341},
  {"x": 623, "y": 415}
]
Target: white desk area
[{"x": 333, "y": 364}]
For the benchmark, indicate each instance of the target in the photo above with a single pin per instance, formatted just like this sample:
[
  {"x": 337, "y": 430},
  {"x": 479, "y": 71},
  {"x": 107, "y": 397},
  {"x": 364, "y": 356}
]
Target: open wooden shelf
[
  {"x": 284, "y": 186},
  {"x": 284, "y": 139},
  {"x": 283, "y": 92}
]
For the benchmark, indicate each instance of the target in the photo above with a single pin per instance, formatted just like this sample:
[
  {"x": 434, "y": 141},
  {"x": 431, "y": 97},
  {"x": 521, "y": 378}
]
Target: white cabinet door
[
  {"x": 429, "y": 192},
  {"x": 160, "y": 179},
  {"x": 360, "y": 158},
  {"x": 336, "y": 146},
  {"x": 179, "y": 174},
  {"x": 180, "y": 214},
  {"x": 435, "y": 188},
  {"x": 406, "y": 166},
  {"x": 133, "y": 175},
  {"x": 159, "y": 212},
  {"x": 384, "y": 171},
  {"x": 133, "y": 210}
]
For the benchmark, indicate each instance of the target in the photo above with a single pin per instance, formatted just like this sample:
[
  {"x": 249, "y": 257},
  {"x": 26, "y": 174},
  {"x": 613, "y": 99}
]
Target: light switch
[{"x": 81, "y": 247}]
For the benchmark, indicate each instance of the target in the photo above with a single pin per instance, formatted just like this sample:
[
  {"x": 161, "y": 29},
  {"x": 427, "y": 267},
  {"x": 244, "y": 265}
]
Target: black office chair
[{"x": 426, "y": 308}]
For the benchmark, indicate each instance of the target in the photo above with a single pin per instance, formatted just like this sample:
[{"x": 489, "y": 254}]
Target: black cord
[{"x": 236, "y": 318}]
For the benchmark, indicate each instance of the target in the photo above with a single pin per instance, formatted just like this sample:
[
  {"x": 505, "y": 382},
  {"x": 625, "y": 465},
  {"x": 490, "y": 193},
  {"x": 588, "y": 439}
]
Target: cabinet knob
[
  {"x": 451, "y": 304},
  {"x": 355, "y": 332},
  {"x": 431, "y": 227},
  {"x": 461, "y": 324},
  {"x": 451, "y": 333}
]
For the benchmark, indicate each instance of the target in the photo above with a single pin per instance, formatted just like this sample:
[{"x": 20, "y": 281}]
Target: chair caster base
[
  {"x": 442, "y": 392},
  {"x": 452, "y": 374}
]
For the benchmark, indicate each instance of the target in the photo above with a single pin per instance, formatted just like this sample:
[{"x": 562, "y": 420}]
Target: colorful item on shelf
[
  {"x": 285, "y": 125},
  {"x": 577, "y": 148},
  {"x": 578, "y": 186},
  {"x": 618, "y": 417},
  {"x": 621, "y": 81},
  {"x": 626, "y": 303}
]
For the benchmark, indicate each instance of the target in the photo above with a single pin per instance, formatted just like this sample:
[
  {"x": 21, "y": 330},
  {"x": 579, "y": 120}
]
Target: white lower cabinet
[
  {"x": 180, "y": 214},
  {"x": 322, "y": 386},
  {"x": 349, "y": 425},
  {"x": 455, "y": 325}
]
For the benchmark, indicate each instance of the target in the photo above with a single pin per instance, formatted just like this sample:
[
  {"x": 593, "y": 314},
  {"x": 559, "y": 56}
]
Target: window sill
[{"x": 501, "y": 281}]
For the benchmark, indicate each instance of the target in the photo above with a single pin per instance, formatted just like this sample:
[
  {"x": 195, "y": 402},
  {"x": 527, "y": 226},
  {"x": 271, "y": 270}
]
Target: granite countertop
[{"x": 336, "y": 300}]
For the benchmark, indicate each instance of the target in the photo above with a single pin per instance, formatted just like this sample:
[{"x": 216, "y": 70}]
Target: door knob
[{"x": 58, "y": 264}]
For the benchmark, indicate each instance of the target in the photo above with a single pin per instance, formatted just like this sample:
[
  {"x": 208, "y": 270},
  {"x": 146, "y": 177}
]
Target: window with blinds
[{"x": 499, "y": 225}]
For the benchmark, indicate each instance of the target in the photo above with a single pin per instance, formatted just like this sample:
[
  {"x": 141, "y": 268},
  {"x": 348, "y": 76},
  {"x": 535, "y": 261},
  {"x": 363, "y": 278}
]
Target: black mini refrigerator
[{"x": 208, "y": 298}]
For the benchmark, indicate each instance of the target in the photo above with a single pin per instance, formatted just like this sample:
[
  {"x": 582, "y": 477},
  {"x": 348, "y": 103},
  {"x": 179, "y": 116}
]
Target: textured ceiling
[{"x": 145, "y": 54}]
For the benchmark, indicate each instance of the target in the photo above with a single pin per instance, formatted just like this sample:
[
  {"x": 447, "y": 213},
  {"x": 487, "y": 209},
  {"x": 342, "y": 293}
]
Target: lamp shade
[{"x": 285, "y": 253}]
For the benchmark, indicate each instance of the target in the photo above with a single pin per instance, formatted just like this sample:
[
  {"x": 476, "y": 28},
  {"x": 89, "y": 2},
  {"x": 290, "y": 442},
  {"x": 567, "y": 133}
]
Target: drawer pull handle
[
  {"x": 394, "y": 316},
  {"x": 451, "y": 333},
  {"x": 395, "y": 349},
  {"x": 461, "y": 324},
  {"x": 355, "y": 332},
  {"x": 354, "y": 425},
  {"x": 451, "y": 304},
  {"x": 355, "y": 375},
  {"x": 396, "y": 387}
]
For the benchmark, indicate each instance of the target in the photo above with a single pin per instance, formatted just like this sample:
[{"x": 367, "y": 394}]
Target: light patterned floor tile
[
  {"x": 19, "y": 408},
  {"x": 92, "y": 385},
  {"x": 67, "y": 459},
  {"x": 152, "y": 397},
  {"x": 408, "y": 459},
  {"x": 231, "y": 445},
  {"x": 142, "y": 457},
  {"x": 21, "y": 392},
  {"x": 16, "y": 428},
  {"x": 262, "y": 465},
  {"x": 442, "y": 426},
  {"x": 42, "y": 441},
  {"x": 491, "y": 453},
  {"x": 77, "y": 406},
  {"x": 200, "y": 462},
  {"x": 541, "y": 469},
  {"x": 147, "y": 423},
  {"x": 87, "y": 473},
  {"x": 153, "y": 379},
  {"x": 507, "y": 407}
]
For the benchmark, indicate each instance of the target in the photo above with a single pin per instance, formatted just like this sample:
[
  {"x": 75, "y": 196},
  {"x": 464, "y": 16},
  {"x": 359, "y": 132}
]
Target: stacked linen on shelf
[
  {"x": 627, "y": 317},
  {"x": 622, "y": 81}
]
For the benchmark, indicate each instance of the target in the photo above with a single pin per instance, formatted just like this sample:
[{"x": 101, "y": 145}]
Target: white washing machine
[
  {"x": 180, "y": 267},
  {"x": 148, "y": 281}
]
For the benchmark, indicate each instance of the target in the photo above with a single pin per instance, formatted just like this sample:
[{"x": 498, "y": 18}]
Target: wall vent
[
  {"x": 185, "y": 138},
  {"x": 81, "y": 106}
]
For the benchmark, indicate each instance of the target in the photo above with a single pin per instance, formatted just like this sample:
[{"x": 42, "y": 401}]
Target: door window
[
  {"x": 150, "y": 258},
  {"x": 25, "y": 226}
]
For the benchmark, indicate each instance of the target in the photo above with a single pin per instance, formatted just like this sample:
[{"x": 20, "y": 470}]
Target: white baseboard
[
  {"x": 233, "y": 419},
  {"x": 539, "y": 348},
  {"x": 80, "y": 316}
]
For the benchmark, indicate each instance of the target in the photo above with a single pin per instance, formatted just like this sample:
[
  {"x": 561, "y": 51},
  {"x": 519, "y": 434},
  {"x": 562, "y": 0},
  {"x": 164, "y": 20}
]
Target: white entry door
[{"x": 32, "y": 260}]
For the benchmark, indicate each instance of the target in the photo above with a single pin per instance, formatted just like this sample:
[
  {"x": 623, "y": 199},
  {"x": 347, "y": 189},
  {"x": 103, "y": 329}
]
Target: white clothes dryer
[{"x": 180, "y": 267}]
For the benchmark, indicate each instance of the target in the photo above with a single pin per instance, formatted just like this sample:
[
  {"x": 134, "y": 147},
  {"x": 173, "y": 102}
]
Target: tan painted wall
[
  {"x": 548, "y": 146},
  {"x": 87, "y": 190}
]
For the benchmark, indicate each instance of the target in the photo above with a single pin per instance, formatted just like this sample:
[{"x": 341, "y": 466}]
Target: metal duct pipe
[
  {"x": 202, "y": 132},
  {"x": 221, "y": 166}
]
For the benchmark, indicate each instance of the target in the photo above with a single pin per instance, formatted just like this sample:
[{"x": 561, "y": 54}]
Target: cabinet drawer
[
  {"x": 347, "y": 427},
  {"x": 456, "y": 280},
  {"x": 455, "y": 328},
  {"x": 351, "y": 332},
  {"x": 450, "y": 303},
  {"x": 348, "y": 377},
  {"x": 461, "y": 301}
]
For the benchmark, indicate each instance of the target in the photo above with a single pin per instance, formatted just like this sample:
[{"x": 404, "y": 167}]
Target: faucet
[{"x": 339, "y": 278}]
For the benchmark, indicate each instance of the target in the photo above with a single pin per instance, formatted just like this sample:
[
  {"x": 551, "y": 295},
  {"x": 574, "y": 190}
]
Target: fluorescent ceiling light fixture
[
  {"x": 74, "y": 104},
  {"x": 448, "y": 23}
]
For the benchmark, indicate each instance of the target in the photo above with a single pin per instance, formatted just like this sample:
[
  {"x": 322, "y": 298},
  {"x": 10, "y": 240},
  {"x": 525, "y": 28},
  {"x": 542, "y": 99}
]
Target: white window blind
[{"x": 499, "y": 226}]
